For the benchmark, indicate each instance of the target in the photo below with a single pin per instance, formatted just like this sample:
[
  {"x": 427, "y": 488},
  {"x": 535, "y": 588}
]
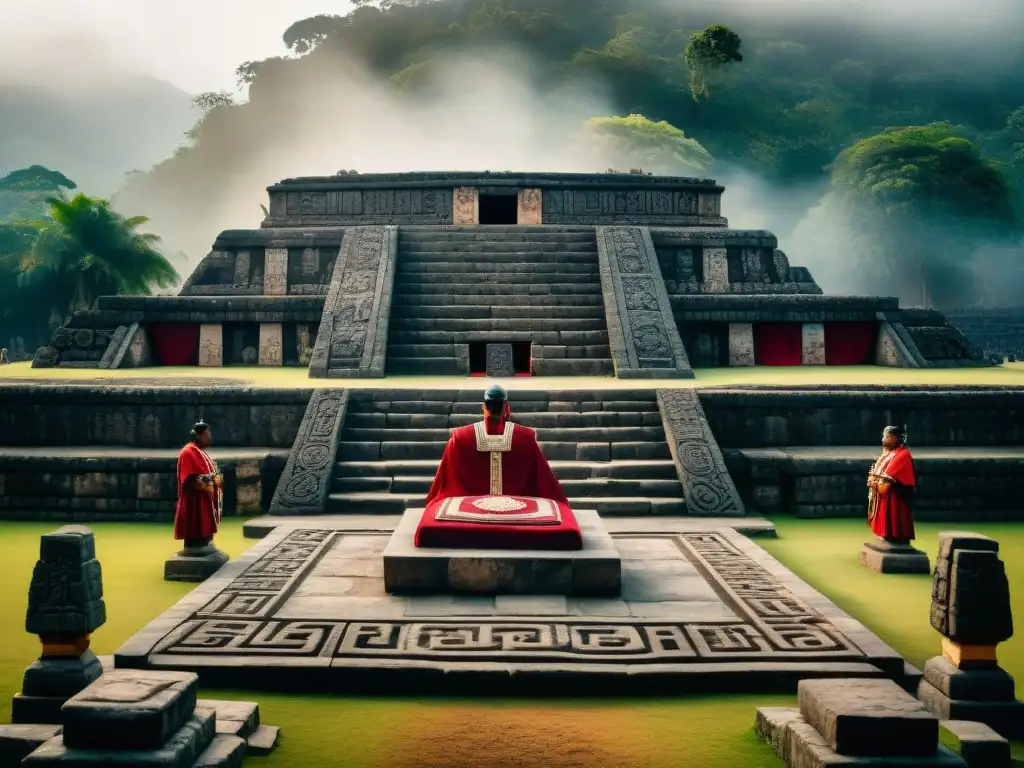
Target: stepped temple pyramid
[{"x": 459, "y": 273}]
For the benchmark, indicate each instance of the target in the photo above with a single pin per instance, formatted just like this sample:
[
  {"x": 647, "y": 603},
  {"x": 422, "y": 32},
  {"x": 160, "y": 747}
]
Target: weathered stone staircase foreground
[{"x": 608, "y": 448}]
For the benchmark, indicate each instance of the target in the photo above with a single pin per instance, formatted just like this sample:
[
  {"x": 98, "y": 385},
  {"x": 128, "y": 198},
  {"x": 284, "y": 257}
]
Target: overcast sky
[{"x": 195, "y": 44}]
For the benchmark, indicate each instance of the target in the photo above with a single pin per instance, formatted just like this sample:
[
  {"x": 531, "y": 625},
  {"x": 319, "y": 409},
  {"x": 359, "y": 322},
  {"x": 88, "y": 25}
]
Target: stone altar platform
[
  {"x": 305, "y": 609},
  {"x": 595, "y": 570}
]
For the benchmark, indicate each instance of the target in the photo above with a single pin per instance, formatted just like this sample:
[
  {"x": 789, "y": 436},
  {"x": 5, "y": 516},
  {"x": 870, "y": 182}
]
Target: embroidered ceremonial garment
[
  {"x": 198, "y": 511},
  {"x": 501, "y": 510},
  {"x": 890, "y": 510}
]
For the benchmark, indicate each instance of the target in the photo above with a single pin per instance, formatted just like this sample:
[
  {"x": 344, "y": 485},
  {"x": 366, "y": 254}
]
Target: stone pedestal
[
  {"x": 594, "y": 570},
  {"x": 885, "y": 557},
  {"x": 139, "y": 718},
  {"x": 984, "y": 695},
  {"x": 18, "y": 741},
  {"x": 855, "y": 722},
  {"x": 48, "y": 683},
  {"x": 211, "y": 345},
  {"x": 194, "y": 564},
  {"x": 741, "y": 344},
  {"x": 271, "y": 344},
  {"x": 813, "y": 344},
  {"x": 977, "y": 744}
]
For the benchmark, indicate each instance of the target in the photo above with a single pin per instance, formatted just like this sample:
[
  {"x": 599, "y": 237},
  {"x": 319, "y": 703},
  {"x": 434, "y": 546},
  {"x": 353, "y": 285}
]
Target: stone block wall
[
  {"x": 770, "y": 417},
  {"x": 147, "y": 417},
  {"x": 995, "y": 331}
]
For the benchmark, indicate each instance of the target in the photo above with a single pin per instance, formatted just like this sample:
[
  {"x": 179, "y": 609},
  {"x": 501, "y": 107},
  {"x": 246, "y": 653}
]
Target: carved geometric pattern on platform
[
  {"x": 771, "y": 622},
  {"x": 354, "y": 327},
  {"x": 707, "y": 485},
  {"x": 305, "y": 482},
  {"x": 642, "y": 331}
]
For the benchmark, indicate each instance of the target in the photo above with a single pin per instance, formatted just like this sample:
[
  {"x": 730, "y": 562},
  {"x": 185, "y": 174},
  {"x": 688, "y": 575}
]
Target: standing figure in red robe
[
  {"x": 495, "y": 457},
  {"x": 200, "y": 492},
  {"x": 891, "y": 486}
]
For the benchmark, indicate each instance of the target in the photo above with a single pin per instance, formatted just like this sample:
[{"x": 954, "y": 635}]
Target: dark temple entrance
[
  {"x": 521, "y": 358},
  {"x": 499, "y": 209}
]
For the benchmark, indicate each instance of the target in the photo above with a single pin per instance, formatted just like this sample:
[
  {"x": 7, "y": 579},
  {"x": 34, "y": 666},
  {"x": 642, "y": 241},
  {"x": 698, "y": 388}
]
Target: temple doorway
[
  {"x": 499, "y": 209},
  {"x": 521, "y": 358}
]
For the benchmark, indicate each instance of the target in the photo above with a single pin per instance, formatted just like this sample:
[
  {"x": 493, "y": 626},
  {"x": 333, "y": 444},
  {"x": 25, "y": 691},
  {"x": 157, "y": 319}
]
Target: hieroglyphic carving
[
  {"x": 716, "y": 270},
  {"x": 741, "y": 344},
  {"x": 466, "y": 208},
  {"x": 499, "y": 360},
  {"x": 642, "y": 332},
  {"x": 529, "y": 206},
  {"x": 770, "y": 622},
  {"x": 303, "y": 487},
  {"x": 309, "y": 262},
  {"x": 211, "y": 345},
  {"x": 275, "y": 274},
  {"x": 354, "y": 329},
  {"x": 707, "y": 486},
  {"x": 242, "y": 262},
  {"x": 813, "y": 344},
  {"x": 304, "y": 343},
  {"x": 271, "y": 350}
]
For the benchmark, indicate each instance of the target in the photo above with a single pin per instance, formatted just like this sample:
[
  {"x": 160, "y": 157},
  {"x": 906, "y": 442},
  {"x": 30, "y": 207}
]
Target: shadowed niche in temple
[
  {"x": 499, "y": 209},
  {"x": 521, "y": 353}
]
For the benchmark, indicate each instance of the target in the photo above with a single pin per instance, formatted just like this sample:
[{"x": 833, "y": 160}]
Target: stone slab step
[
  {"x": 574, "y": 367},
  {"x": 484, "y": 247},
  {"x": 485, "y": 312},
  {"x": 484, "y": 266},
  {"x": 502, "y": 300},
  {"x": 597, "y": 434},
  {"x": 552, "y": 337},
  {"x": 553, "y": 451},
  {"x": 534, "y": 420},
  {"x": 498, "y": 279},
  {"x": 564, "y": 470},
  {"x": 498, "y": 324},
  {"x": 409, "y": 256},
  {"x": 538, "y": 288},
  {"x": 424, "y": 365},
  {"x": 396, "y": 503},
  {"x": 590, "y": 487},
  {"x": 416, "y": 402},
  {"x": 559, "y": 352}
]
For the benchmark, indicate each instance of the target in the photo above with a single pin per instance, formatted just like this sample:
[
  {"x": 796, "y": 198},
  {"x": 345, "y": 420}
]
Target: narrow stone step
[
  {"x": 500, "y": 246},
  {"x": 428, "y": 310},
  {"x": 409, "y": 256},
  {"x": 502, "y": 300},
  {"x": 502, "y": 289},
  {"x": 397, "y": 503},
  {"x": 440, "y": 365},
  {"x": 497, "y": 335},
  {"x": 573, "y": 367},
  {"x": 407, "y": 268},
  {"x": 557, "y": 434},
  {"x": 388, "y": 420},
  {"x": 582, "y": 487},
  {"x": 564, "y": 470},
  {"x": 557, "y": 352},
  {"x": 367, "y": 450},
  {"x": 486, "y": 279},
  {"x": 417, "y": 402}
]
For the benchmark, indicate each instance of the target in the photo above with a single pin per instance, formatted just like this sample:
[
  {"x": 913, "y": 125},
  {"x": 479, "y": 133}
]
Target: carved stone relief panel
[
  {"x": 530, "y": 206},
  {"x": 741, "y": 344},
  {"x": 275, "y": 276},
  {"x": 466, "y": 206},
  {"x": 813, "y": 352},
  {"x": 716, "y": 270},
  {"x": 211, "y": 345},
  {"x": 271, "y": 344}
]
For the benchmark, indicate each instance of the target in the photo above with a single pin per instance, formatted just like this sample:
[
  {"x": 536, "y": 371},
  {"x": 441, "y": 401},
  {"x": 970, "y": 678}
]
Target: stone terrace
[{"x": 607, "y": 448}]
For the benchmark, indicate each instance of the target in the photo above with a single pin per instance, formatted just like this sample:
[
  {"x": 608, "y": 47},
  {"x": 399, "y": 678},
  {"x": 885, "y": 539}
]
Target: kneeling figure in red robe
[
  {"x": 891, "y": 487},
  {"x": 495, "y": 490}
]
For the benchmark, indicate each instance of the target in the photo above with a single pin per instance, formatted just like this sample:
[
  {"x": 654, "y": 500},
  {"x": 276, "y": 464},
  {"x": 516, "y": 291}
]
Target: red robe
[
  {"x": 466, "y": 471},
  {"x": 198, "y": 510},
  {"x": 890, "y": 512}
]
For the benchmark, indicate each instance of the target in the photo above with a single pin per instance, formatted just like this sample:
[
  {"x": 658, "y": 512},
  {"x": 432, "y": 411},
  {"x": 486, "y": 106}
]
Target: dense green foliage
[
  {"x": 658, "y": 147},
  {"x": 59, "y": 254}
]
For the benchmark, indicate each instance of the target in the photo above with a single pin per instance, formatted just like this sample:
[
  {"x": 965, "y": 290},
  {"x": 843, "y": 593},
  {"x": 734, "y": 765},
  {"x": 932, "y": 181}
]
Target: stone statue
[
  {"x": 65, "y": 606},
  {"x": 892, "y": 484},
  {"x": 3, "y": 356},
  {"x": 198, "y": 513},
  {"x": 971, "y": 610}
]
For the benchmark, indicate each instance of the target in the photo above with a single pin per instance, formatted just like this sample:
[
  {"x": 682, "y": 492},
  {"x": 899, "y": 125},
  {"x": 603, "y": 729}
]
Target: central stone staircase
[
  {"x": 459, "y": 285},
  {"x": 608, "y": 448}
]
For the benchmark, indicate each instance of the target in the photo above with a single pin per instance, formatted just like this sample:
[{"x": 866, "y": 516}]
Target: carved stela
[
  {"x": 529, "y": 206},
  {"x": 466, "y": 206}
]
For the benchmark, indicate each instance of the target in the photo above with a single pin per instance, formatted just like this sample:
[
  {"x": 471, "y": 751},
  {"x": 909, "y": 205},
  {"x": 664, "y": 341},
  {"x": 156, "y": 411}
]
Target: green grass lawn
[{"x": 326, "y": 731}]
